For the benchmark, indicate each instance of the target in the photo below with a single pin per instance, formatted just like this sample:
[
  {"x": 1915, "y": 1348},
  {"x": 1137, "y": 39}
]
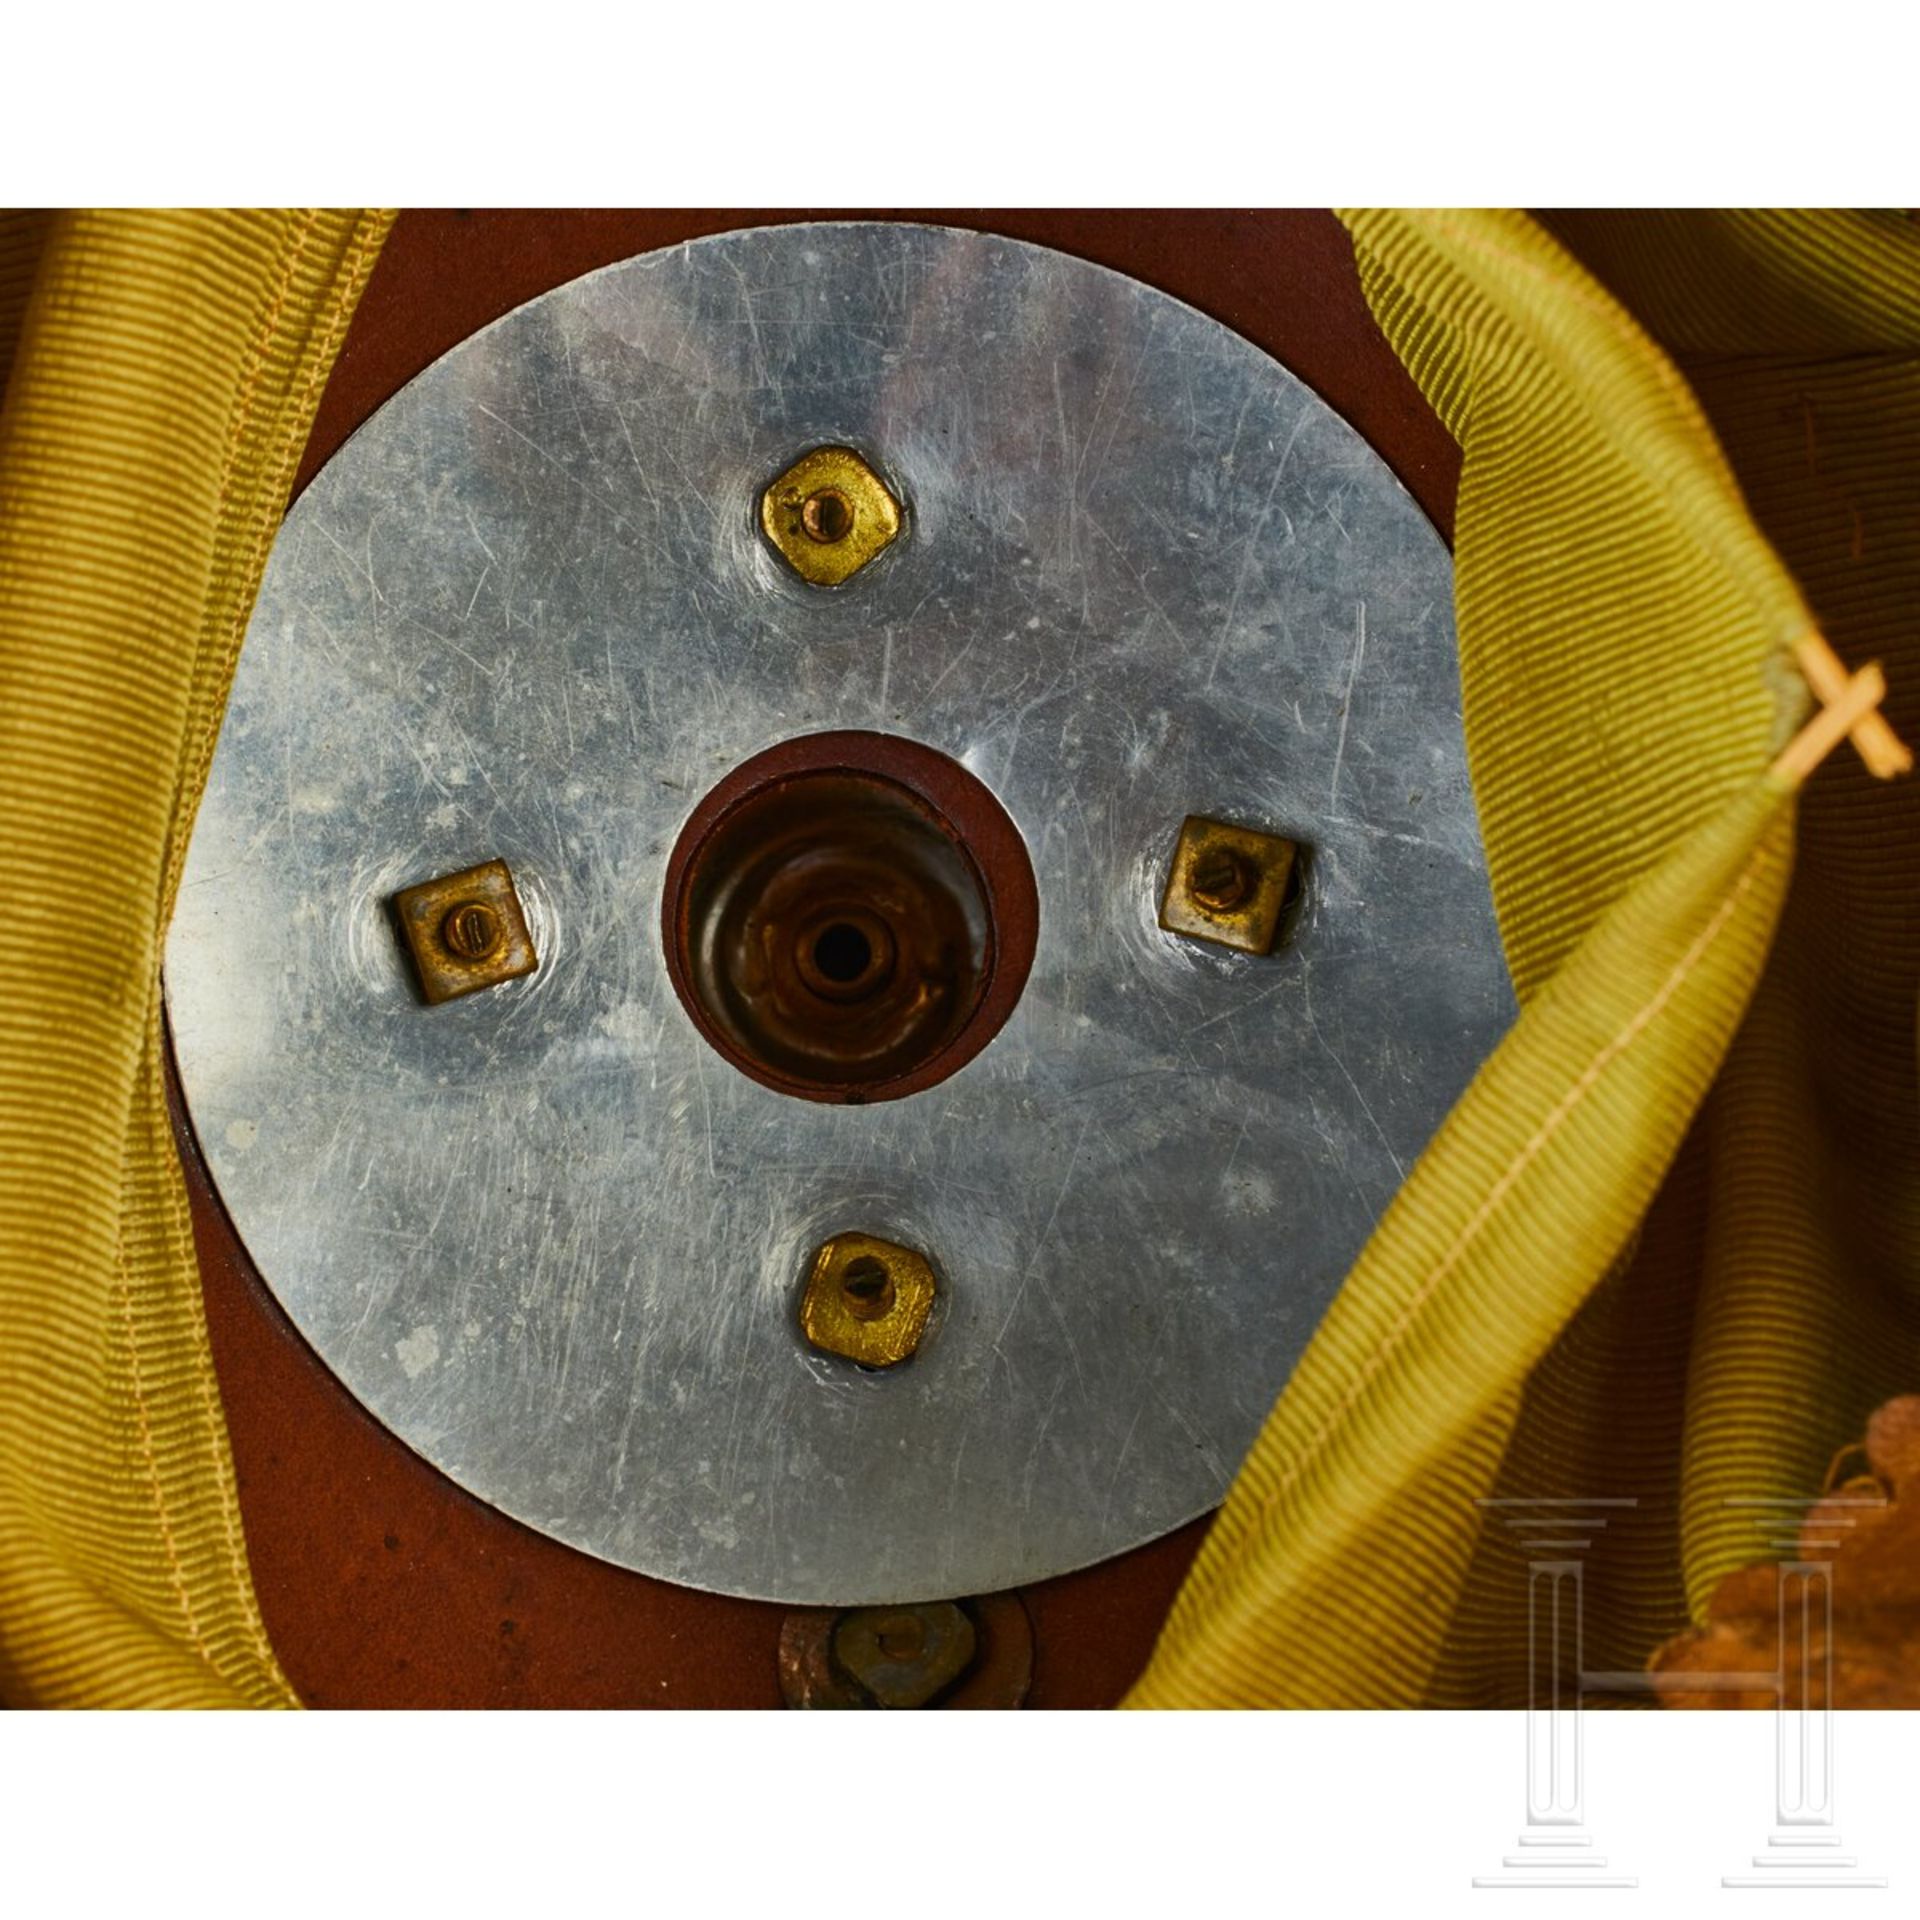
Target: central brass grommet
[
  {"x": 845, "y": 954},
  {"x": 850, "y": 917}
]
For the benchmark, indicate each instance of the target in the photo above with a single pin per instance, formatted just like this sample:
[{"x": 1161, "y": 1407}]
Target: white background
[{"x": 795, "y": 1815}]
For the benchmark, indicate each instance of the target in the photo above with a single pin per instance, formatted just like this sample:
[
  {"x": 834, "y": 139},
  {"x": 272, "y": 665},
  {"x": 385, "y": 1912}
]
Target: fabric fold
[
  {"x": 1626, "y": 636},
  {"x": 163, "y": 372}
]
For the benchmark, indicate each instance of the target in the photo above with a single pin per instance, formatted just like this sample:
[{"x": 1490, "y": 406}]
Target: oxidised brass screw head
[
  {"x": 472, "y": 931},
  {"x": 828, "y": 515},
  {"x": 903, "y": 1656},
  {"x": 1229, "y": 885},
  {"x": 867, "y": 1299},
  {"x": 1220, "y": 880},
  {"x": 968, "y": 1653},
  {"x": 466, "y": 931}
]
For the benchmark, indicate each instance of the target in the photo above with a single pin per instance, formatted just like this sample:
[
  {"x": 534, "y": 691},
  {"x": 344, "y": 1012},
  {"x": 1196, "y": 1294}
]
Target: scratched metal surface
[{"x": 543, "y": 1233}]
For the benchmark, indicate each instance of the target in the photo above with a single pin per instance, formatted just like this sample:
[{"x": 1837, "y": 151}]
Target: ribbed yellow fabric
[
  {"x": 1800, "y": 332},
  {"x": 1522, "y": 1325},
  {"x": 1771, "y": 1302},
  {"x": 162, "y": 371}
]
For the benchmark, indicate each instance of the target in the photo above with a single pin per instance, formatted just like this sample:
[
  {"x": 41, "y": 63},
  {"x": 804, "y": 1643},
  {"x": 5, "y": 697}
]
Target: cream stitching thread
[
  {"x": 349, "y": 281},
  {"x": 1505, "y": 1184},
  {"x": 153, "y": 1465}
]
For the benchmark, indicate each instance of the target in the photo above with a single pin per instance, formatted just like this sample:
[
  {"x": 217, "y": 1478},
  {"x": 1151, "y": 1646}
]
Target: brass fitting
[
  {"x": 903, "y": 1656},
  {"x": 867, "y": 1299},
  {"x": 1229, "y": 885},
  {"x": 466, "y": 931},
  {"x": 828, "y": 515}
]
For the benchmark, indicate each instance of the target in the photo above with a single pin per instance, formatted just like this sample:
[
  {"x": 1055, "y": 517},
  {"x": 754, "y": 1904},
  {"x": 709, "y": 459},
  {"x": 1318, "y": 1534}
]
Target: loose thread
[
  {"x": 1885, "y": 753},
  {"x": 1843, "y": 714}
]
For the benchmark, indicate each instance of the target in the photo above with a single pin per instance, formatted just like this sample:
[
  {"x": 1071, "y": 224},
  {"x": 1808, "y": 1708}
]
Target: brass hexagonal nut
[
  {"x": 867, "y": 1299},
  {"x": 828, "y": 515}
]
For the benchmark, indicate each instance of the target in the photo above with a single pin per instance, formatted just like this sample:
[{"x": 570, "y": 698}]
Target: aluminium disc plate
[{"x": 544, "y": 1232}]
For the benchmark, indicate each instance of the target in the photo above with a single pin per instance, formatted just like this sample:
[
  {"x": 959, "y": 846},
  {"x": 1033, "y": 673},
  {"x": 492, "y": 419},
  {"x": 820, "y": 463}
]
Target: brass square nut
[
  {"x": 867, "y": 1299},
  {"x": 828, "y": 515},
  {"x": 466, "y": 931},
  {"x": 1228, "y": 885}
]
